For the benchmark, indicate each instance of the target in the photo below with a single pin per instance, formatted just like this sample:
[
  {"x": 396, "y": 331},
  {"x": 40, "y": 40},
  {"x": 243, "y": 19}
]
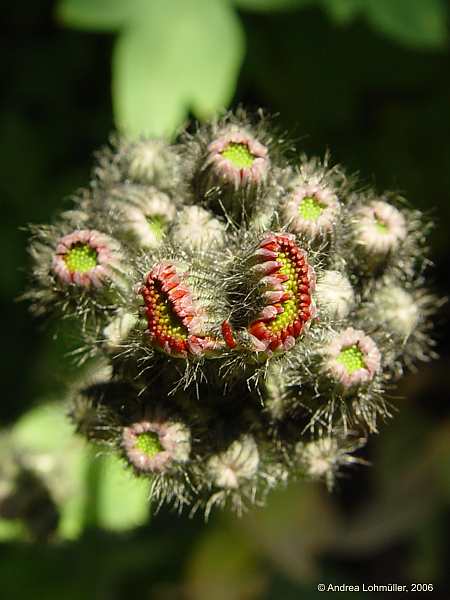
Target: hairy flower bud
[
  {"x": 197, "y": 229},
  {"x": 352, "y": 357},
  {"x": 237, "y": 158},
  {"x": 176, "y": 323},
  {"x": 147, "y": 216},
  {"x": 398, "y": 309},
  {"x": 311, "y": 209},
  {"x": 154, "y": 445},
  {"x": 324, "y": 457},
  {"x": 379, "y": 228},
  {"x": 238, "y": 463},
  {"x": 149, "y": 160},
  {"x": 335, "y": 294},
  {"x": 283, "y": 282},
  {"x": 85, "y": 258}
]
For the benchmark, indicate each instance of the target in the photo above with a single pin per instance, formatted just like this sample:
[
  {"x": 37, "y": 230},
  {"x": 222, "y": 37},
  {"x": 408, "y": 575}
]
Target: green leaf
[
  {"x": 97, "y": 15},
  {"x": 12, "y": 530},
  {"x": 419, "y": 23},
  {"x": 74, "y": 496},
  {"x": 342, "y": 11},
  {"x": 183, "y": 55},
  {"x": 271, "y": 5},
  {"x": 44, "y": 428},
  {"x": 90, "y": 489},
  {"x": 122, "y": 499},
  {"x": 46, "y": 434},
  {"x": 414, "y": 22}
]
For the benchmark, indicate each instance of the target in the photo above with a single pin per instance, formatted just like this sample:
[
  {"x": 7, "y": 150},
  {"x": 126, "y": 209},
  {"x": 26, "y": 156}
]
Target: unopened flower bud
[
  {"x": 352, "y": 358},
  {"x": 153, "y": 446},
  {"x": 334, "y": 294},
  {"x": 237, "y": 464},
  {"x": 379, "y": 228},
  {"x": 85, "y": 258}
]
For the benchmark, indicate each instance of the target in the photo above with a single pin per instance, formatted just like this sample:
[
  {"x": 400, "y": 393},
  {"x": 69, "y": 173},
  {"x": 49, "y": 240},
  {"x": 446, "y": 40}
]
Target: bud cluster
[{"x": 254, "y": 310}]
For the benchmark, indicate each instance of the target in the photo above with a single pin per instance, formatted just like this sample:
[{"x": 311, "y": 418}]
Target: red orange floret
[
  {"x": 228, "y": 336},
  {"x": 175, "y": 324},
  {"x": 289, "y": 281}
]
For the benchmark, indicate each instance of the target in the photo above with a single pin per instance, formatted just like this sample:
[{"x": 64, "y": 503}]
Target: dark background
[{"x": 383, "y": 110}]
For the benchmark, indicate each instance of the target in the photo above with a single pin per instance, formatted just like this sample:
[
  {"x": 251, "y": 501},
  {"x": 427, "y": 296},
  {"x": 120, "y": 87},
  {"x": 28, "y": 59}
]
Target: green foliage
[
  {"x": 11, "y": 530},
  {"x": 98, "y": 15},
  {"x": 173, "y": 57},
  {"x": 90, "y": 489},
  {"x": 122, "y": 500},
  {"x": 271, "y": 5},
  {"x": 414, "y": 23},
  {"x": 170, "y": 58}
]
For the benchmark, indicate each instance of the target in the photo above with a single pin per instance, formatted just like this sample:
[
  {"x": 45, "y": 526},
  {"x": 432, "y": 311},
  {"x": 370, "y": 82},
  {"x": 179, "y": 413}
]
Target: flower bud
[
  {"x": 237, "y": 464},
  {"x": 323, "y": 457},
  {"x": 86, "y": 258},
  {"x": 379, "y": 228},
  {"x": 334, "y": 294},
  {"x": 177, "y": 324},
  {"x": 197, "y": 229},
  {"x": 237, "y": 158},
  {"x": 147, "y": 216},
  {"x": 153, "y": 446},
  {"x": 311, "y": 209},
  {"x": 279, "y": 272},
  {"x": 352, "y": 358}
]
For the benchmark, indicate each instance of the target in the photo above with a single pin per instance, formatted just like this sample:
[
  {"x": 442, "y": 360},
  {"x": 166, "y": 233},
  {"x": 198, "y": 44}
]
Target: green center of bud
[
  {"x": 352, "y": 358},
  {"x": 310, "y": 208},
  {"x": 239, "y": 155},
  {"x": 158, "y": 225},
  {"x": 168, "y": 321},
  {"x": 149, "y": 443},
  {"x": 81, "y": 258},
  {"x": 290, "y": 307},
  {"x": 380, "y": 225}
]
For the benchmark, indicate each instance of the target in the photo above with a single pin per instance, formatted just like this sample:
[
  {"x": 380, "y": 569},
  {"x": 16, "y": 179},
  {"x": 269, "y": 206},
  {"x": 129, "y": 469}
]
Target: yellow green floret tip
[
  {"x": 168, "y": 320},
  {"x": 310, "y": 208},
  {"x": 149, "y": 444},
  {"x": 381, "y": 226},
  {"x": 157, "y": 225},
  {"x": 352, "y": 359},
  {"x": 81, "y": 258},
  {"x": 239, "y": 155},
  {"x": 290, "y": 308}
]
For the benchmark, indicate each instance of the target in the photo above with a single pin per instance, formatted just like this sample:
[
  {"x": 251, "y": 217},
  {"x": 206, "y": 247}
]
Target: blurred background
[{"x": 367, "y": 79}]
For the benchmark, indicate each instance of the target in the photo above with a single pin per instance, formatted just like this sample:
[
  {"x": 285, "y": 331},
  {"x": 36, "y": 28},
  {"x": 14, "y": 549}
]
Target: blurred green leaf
[
  {"x": 183, "y": 55},
  {"x": 271, "y": 5},
  {"x": 43, "y": 429},
  {"x": 342, "y": 11},
  {"x": 418, "y": 23},
  {"x": 11, "y": 530},
  {"x": 47, "y": 436},
  {"x": 413, "y": 22},
  {"x": 123, "y": 500},
  {"x": 97, "y": 15},
  {"x": 74, "y": 497},
  {"x": 89, "y": 489}
]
